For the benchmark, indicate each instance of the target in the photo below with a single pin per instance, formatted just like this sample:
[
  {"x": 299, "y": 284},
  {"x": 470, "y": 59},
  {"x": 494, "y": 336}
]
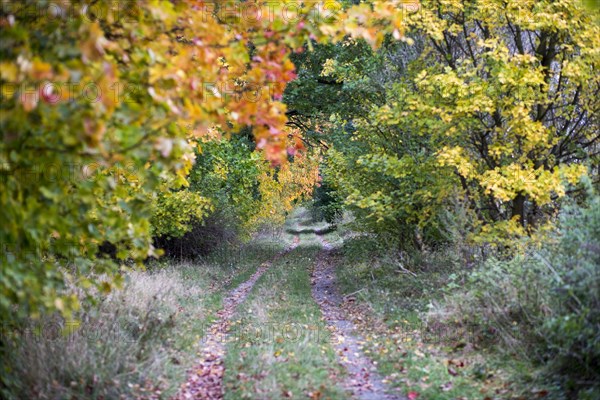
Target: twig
[
  {"x": 404, "y": 270},
  {"x": 350, "y": 294}
]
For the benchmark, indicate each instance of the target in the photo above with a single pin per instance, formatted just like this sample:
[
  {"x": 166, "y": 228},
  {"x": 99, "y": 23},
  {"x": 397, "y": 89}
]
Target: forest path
[{"x": 296, "y": 288}]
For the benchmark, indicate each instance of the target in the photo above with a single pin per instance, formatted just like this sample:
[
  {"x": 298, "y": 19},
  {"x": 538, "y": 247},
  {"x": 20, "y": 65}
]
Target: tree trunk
[{"x": 518, "y": 208}]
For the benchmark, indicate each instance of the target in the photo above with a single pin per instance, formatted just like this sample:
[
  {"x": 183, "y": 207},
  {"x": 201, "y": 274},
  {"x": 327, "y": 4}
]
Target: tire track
[
  {"x": 205, "y": 380},
  {"x": 363, "y": 381}
]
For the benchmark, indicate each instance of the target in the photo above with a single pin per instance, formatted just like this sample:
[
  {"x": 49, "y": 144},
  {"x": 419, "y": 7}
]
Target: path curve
[
  {"x": 205, "y": 379},
  {"x": 363, "y": 381}
]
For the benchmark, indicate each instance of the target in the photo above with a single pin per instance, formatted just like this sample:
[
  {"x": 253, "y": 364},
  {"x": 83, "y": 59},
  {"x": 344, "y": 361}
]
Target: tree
[
  {"x": 101, "y": 104},
  {"x": 509, "y": 92},
  {"x": 491, "y": 101},
  {"x": 385, "y": 171}
]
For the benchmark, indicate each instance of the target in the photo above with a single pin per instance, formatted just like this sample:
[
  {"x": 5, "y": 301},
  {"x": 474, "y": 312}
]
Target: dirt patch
[{"x": 363, "y": 381}]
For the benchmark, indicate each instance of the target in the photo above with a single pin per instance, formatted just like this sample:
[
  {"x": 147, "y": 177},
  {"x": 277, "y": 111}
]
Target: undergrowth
[{"x": 134, "y": 342}]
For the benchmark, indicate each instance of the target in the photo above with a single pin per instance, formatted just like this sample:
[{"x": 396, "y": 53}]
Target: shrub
[
  {"x": 544, "y": 303},
  {"x": 204, "y": 237},
  {"x": 326, "y": 205},
  {"x": 572, "y": 333}
]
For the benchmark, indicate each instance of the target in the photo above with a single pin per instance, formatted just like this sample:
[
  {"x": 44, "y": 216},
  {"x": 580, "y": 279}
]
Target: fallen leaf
[{"x": 458, "y": 363}]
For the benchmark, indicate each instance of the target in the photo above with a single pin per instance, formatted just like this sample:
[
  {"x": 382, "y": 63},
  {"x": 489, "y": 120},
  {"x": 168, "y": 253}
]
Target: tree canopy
[{"x": 127, "y": 122}]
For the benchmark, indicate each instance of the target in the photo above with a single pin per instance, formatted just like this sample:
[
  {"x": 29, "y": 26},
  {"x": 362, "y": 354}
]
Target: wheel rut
[{"x": 362, "y": 381}]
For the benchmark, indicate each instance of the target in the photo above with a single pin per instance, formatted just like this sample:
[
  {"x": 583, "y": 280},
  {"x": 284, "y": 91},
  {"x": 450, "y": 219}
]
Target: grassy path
[
  {"x": 282, "y": 347},
  {"x": 283, "y": 333},
  {"x": 287, "y": 333}
]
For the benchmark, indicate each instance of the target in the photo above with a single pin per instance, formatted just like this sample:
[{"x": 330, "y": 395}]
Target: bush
[
  {"x": 326, "y": 205},
  {"x": 214, "y": 231},
  {"x": 544, "y": 303},
  {"x": 572, "y": 333}
]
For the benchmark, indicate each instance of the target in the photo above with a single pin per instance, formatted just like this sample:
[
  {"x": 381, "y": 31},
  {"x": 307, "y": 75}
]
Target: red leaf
[{"x": 412, "y": 395}]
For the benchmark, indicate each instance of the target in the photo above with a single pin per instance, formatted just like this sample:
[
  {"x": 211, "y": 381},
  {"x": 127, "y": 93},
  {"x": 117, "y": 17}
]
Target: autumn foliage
[
  {"x": 126, "y": 125},
  {"x": 102, "y": 108}
]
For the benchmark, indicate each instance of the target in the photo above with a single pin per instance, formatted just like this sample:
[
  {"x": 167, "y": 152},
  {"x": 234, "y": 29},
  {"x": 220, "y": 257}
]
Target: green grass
[
  {"x": 280, "y": 346},
  {"x": 217, "y": 275}
]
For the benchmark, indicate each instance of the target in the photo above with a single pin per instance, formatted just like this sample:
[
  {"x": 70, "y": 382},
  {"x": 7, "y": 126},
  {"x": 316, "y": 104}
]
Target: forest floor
[{"x": 295, "y": 328}]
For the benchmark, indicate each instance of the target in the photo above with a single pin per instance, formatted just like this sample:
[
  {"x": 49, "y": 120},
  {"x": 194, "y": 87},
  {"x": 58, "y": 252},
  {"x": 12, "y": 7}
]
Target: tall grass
[
  {"x": 136, "y": 342},
  {"x": 124, "y": 346},
  {"x": 536, "y": 304}
]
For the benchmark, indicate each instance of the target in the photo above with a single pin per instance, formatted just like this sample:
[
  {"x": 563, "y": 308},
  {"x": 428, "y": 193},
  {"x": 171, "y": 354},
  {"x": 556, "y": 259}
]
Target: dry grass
[{"x": 127, "y": 345}]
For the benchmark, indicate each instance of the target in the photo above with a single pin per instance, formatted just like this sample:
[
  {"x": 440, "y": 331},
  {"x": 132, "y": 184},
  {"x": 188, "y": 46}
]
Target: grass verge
[{"x": 388, "y": 304}]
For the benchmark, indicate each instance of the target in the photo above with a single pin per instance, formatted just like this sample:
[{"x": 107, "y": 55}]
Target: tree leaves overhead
[{"x": 102, "y": 105}]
